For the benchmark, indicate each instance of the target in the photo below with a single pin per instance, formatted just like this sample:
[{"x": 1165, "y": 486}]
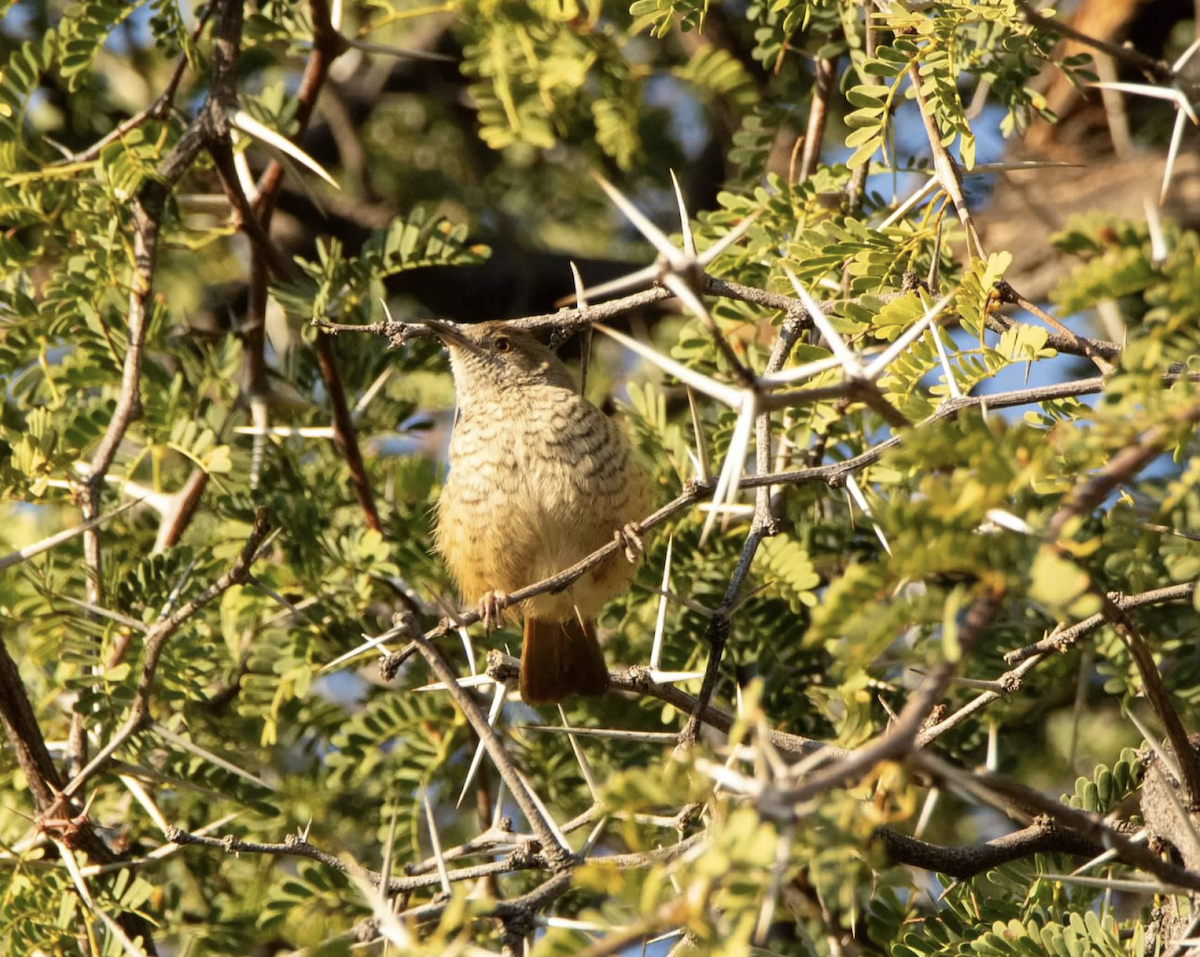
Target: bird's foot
[
  {"x": 629, "y": 538},
  {"x": 491, "y": 609}
]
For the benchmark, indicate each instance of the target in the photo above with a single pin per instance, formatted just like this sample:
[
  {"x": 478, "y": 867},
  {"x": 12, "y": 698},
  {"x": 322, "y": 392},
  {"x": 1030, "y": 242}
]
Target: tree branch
[
  {"x": 1146, "y": 64},
  {"x": 900, "y": 738},
  {"x": 155, "y": 642},
  {"x": 558, "y": 856},
  {"x": 1123, "y": 466},
  {"x": 1027, "y": 803},
  {"x": 763, "y": 526},
  {"x": 967, "y": 861},
  {"x": 1062, "y": 641}
]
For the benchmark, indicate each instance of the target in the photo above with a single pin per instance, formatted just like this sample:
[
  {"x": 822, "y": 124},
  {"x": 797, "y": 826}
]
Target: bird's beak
[{"x": 450, "y": 335}]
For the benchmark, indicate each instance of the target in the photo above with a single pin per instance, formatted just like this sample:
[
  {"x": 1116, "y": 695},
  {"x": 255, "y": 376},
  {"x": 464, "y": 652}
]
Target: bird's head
[{"x": 490, "y": 356}]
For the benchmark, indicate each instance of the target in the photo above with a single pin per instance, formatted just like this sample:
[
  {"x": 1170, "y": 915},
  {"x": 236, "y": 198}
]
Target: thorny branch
[
  {"x": 899, "y": 738},
  {"x": 148, "y": 207},
  {"x": 1022, "y": 802},
  {"x": 155, "y": 641},
  {"x": 762, "y": 526},
  {"x": 514, "y": 860},
  {"x": 1128, "y": 54},
  {"x": 967, "y": 861},
  {"x": 554, "y": 852},
  {"x": 1053, "y": 827},
  {"x": 1062, "y": 641}
]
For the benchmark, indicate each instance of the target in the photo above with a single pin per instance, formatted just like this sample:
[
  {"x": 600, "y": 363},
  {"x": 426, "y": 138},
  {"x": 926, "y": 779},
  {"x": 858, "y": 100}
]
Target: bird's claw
[
  {"x": 491, "y": 609},
  {"x": 629, "y": 538}
]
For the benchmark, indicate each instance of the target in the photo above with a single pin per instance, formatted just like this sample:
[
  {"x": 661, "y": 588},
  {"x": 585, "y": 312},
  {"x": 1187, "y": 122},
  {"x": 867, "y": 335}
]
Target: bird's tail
[{"x": 561, "y": 658}]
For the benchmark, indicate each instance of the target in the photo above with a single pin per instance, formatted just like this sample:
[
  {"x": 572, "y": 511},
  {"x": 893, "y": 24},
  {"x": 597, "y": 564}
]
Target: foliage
[{"x": 462, "y": 186}]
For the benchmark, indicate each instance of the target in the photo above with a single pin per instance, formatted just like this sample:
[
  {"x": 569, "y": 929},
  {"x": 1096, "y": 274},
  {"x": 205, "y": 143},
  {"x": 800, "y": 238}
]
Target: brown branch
[
  {"x": 489, "y": 842},
  {"x": 156, "y": 640},
  {"x": 521, "y": 859},
  {"x": 1160, "y": 700},
  {"x": 824, "y": 74},
  {"x": 1008, "y": 683},
  {"x": 900, "y": 738},
  {"x": 509, "y": 911},
  {"x": 344, "y": 433},
  {"x": 1026, "y": 803},
  {"x": 1156, "y": 69},
  {"x": 247, "y": 219},
  {"x": 1010, "y": 295},
  {"x": 25, "y": 736},
  {"x": 1123, "y": 466},
  {"x": 571, "y": 320},
  {"x": 568, "y": 320},
  {"x": 528, "y": 905},
  {"x": 1062, "y": 641},
  {"x": 967, "y": 861},
  {"x": 327, "y": 45},
  {"x": 1072, "y": 345},
  {"x": 557, "y": 856},
  {"x": 183, "y": 508}
]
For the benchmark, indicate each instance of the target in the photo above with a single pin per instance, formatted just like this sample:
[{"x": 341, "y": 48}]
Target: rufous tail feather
[{"x": 559, "y": 659}]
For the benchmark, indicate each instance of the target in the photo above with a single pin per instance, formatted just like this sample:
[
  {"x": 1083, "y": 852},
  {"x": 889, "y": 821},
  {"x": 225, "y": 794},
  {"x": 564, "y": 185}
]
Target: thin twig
[
  {"x": 761, "y": 527},
  {"x": 1062, "y": 641},
  {"x": 1027, "y": 803},
  {"x": 155, "y": 642},
  {"x": 824, "y": 73},
  {"x": 1128, "y": 54},
  {"x": 557, "y": 855}
]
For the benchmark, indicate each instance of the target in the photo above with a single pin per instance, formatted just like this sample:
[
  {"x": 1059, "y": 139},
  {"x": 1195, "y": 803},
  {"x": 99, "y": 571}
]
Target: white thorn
[
  {"x": 701, "y": 383},
  {"x": 493, "y": 714},
  {"x": 269, "y": 137},
  {"x": 735, "y": 461},
  {"x": 837, "y": 345},
  {"x": 437, "y": 843},
  {"x": 689, "y": 241},
  {"x": 655, "y": 236},
  {"x": 661, "y": 623}
]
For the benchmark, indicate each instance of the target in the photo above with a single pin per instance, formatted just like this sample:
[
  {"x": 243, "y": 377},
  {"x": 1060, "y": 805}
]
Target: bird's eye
[{"x": 502, "y": 344}]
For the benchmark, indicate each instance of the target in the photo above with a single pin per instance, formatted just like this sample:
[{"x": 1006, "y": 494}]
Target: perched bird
[{"x": 539, "y": 479}]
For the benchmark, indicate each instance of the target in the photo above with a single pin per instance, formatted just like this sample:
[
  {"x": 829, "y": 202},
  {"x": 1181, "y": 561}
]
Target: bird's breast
[{"x": 533, "y": 488}]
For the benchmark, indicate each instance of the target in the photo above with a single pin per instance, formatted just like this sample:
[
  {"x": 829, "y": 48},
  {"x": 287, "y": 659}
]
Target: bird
[{"x": 539, "y": 478}]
